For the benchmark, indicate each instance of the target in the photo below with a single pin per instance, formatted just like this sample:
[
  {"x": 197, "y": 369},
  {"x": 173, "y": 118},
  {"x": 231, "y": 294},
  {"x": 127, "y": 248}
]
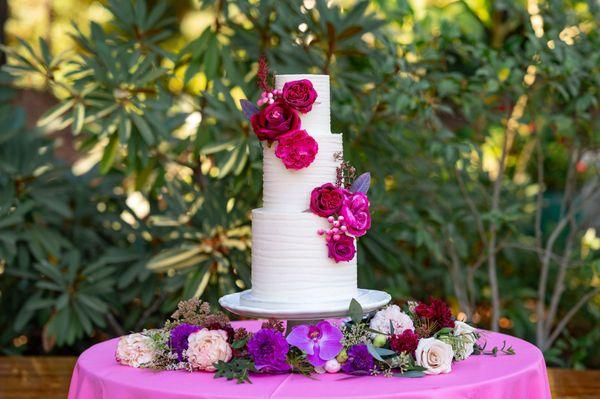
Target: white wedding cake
[{"x": 290, "y": 262}]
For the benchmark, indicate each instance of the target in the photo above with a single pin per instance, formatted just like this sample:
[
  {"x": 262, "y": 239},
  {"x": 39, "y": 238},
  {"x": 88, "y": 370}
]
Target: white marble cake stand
[{"x": 243, "y": 304}]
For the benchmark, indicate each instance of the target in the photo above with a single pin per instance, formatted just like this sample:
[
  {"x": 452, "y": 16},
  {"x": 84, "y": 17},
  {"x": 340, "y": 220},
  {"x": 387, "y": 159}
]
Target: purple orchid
[{"x": 321, "y": 342}]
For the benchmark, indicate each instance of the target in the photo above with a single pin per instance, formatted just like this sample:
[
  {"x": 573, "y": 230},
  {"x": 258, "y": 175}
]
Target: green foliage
[
  {"x": 238, "y": 369},
  {"x": 426, "y": 102}
]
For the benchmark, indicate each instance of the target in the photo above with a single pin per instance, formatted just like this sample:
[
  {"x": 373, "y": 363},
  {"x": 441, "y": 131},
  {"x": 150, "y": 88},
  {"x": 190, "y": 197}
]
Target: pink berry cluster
[
  {"x": 268, "y": 97},
  {"x": 337, "y": 228}
]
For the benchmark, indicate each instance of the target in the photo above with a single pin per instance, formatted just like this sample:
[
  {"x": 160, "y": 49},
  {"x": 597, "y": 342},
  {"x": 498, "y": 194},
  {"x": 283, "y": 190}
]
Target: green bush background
[{"x": 478, "y": 121}]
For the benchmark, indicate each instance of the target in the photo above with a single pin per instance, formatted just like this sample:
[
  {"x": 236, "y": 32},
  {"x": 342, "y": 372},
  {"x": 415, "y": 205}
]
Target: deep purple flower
[
  {"x": 357, "y": 216},
  {"x": 320, "y": 342},
  {"x": 359, "y": 360},
  {"x": 342, "y": 249},
  {"x": 268, "y": 348},
  {"x": 179, "y": 338},
  {"x": 299, "y": 94}
]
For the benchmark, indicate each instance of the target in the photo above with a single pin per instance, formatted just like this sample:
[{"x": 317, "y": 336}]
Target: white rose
[
  {"x": 464, "y": 347},
  {"x": 207, "y": 347},
  {"x": 400, "y": 320},
  {"x": 135, "y": 350},
  {"x": 435, "y": 355}
]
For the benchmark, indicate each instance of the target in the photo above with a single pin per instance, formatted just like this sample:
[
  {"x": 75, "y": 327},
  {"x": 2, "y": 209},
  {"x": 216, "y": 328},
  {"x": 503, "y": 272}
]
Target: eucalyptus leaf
[
  {"x": 361, "y": 184},
  {"x": 355, "y": 312}
]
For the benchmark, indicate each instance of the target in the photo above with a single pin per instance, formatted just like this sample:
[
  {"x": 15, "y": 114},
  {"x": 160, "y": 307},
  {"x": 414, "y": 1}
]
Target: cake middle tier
[
  {"x": 290, "y": 262},
  {"x": 289, "y": 190}
]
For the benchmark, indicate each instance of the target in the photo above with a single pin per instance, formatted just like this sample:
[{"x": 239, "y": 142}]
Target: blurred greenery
[{"x": 478, "y": 121}]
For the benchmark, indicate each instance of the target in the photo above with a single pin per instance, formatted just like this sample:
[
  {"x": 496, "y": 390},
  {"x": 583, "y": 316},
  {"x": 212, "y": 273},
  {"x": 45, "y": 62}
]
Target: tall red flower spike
[{"x": 263, "y": 74}]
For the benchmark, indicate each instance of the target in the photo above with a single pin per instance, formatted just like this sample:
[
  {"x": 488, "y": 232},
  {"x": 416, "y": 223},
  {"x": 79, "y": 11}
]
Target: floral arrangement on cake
[
  {"x": 346, "y": 205},
  {"x": 418, "y": 339},
  {"x": 275, "y": 118}
]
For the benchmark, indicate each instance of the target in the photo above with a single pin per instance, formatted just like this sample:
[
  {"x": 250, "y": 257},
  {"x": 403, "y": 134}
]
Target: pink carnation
[
  {"x": 357, "y": 216},
  {"x": 207, "y": 347},
  {"x": 135, "y": 350},
  {"x": 297, "y": 149}
]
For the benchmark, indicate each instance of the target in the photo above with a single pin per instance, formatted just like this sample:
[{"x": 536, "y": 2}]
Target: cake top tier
[{"x": 317, "y": 121}]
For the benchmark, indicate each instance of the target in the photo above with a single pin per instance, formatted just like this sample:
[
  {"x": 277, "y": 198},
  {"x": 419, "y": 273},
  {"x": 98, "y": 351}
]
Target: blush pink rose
[
  {"x": 355, "y": 211},
  {"x": 342, "y": 249},
  {"x": 296, "y": 149},
  {"x": 326, "y": 200},
  {"x": 207, "y": 347},
  {"x": 300, "y": 95},
  {"x": 274, "y": 120},
  {"x": 135, "y": 350}
]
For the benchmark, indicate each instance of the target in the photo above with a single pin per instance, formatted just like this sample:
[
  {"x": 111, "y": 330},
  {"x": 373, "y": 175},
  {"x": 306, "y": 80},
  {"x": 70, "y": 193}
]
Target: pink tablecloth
[{"x": 523, "y": 376}]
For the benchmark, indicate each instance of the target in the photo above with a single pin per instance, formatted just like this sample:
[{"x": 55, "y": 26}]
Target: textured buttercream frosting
[
  {"x": 289, "y": 190},
  {"x": 290, "y": 262}
]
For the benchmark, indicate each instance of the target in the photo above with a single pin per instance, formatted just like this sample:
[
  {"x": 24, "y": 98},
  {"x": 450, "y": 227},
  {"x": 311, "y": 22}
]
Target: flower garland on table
[
  {"x": 278, "y": 119},
  {"x": 347, "y": 211},
  {"x": 413, "y": 341}
]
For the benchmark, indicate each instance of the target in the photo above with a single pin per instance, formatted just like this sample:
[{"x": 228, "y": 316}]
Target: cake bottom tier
[{"x": 290, "y": 263}]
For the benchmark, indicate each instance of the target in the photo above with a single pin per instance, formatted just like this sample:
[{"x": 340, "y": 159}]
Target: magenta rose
[
  {"x": 300, "y": 95},
  {"x": 342, "y": 249},
  {"x": 355, "y": 211},
  {"x": 274, "y": 120},
  {"x": 297, "y": 149},
  {"x": 326, "y": 200}
]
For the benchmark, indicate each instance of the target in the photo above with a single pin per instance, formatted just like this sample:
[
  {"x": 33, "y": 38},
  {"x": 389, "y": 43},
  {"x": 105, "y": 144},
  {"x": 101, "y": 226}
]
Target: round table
[{"x": 523, "y": 376}]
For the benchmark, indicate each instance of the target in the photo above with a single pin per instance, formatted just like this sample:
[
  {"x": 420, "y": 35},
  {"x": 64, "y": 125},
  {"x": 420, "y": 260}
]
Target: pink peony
[
  {"x": 135, "y": 350},
  {"x": 274, "y": 120},
  {"x": 355, "y": 211},
  {"x": 326, "y": 200},
  {"x": 342, "y": 249},
  {"x": 300, "y": 95},
  {"x": 207, "y": 347},
  {"x": 296, "y": 149}
]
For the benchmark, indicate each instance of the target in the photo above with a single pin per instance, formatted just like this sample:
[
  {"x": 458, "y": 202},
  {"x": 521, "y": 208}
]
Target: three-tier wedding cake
[
  {"x": 314, "y": 208},
  {"x": 290, "y": 262}
]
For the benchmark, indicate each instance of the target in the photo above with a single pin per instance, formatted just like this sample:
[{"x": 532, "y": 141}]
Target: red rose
[
  {"x": 296, "y": 149},
  {"x": 342, "y": 249},
  {"x": 326, "y": 200},
  {"x": 274, "y": 120},
  {"x": 300, "y": 95}
]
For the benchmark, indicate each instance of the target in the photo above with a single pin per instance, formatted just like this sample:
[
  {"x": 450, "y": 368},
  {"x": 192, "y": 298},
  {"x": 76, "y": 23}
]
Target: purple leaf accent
[
  {"x": 248, "y": 108},
  {"x": 362, "y": 183}
]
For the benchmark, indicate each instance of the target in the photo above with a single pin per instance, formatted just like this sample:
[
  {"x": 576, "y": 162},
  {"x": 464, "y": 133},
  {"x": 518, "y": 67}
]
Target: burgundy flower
[
  {"x": 326, "y": 200},
  {"x": 355, "y": 211},
  {"x": 437, "y": 311},
  {"x": 297, "y": 149},
  {"x": 405, "y": 342},
  {"x": 300, "y": 95},
  {"x": 274, "y": 120},
  {"x": 342, "y": 249}
]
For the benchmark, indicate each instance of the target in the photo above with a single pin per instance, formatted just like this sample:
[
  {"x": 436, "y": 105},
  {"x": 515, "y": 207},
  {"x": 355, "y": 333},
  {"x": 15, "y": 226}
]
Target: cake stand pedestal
[{"x": 244, "y": 304}]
